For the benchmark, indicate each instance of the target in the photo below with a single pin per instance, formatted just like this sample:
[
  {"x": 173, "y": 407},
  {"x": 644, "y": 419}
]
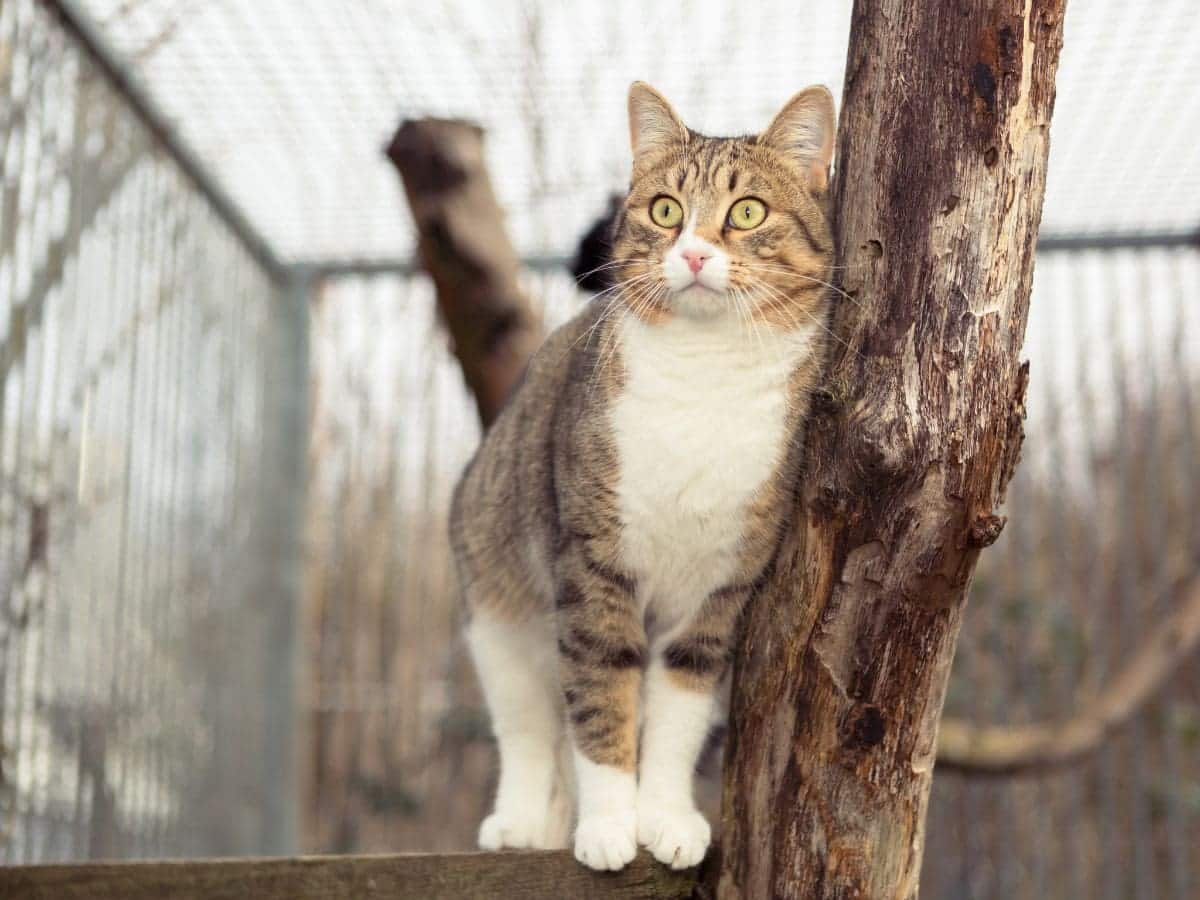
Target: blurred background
[{"x": 230, "y": 419}]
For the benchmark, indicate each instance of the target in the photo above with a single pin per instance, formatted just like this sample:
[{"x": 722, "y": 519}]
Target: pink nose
[{"x": 695, "y": 259}]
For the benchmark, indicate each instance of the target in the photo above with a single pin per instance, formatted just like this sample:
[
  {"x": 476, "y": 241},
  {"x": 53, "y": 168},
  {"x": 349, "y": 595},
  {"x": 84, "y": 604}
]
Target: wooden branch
[
  {"x": 513, "y": 875},
  {"x": 997, "y": 750},
  {"x": 844, "y": 658},
  {"x": 464, "y": 247}
]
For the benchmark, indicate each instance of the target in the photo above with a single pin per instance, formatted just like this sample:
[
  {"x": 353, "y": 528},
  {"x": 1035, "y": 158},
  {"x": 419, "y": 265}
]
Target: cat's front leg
[
  {"x": 680, "y": 706},
  {"x": 602, "y": 649}
]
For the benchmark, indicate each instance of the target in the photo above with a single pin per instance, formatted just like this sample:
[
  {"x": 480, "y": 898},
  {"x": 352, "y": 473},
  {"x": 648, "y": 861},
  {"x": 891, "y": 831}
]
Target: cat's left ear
[{"x": 804, "y": 130}]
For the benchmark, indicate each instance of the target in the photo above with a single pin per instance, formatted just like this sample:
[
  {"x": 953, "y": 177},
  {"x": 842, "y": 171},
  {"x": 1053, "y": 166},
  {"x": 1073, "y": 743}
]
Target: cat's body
[{"x": 626, "y": 504}]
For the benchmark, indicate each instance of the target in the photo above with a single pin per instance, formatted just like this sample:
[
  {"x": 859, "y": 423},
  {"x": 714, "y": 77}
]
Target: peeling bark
[{"x": 843, "y": 662}]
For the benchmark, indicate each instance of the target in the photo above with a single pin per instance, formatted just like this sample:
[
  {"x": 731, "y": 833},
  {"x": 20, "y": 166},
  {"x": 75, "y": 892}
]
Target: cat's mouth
[{"x": 698, "y": 300}]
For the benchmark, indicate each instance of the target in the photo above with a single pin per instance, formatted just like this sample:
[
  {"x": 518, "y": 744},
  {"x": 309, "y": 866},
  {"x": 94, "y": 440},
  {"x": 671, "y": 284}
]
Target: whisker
[
  {"x": 623, "y": 284},
  {"x": 628, "y": 283},
  {"x": 839, "y": 268},
  {"x": 639, "y": 304},
  {"x": 611, "y": 264},
  {"x": 791, "y": 273},
  {"x": 744, "y": 299},
  {"x": 634, "y": 304},
  {"x": 779, "y": 301},
  {"x": 739, "y": 309}
]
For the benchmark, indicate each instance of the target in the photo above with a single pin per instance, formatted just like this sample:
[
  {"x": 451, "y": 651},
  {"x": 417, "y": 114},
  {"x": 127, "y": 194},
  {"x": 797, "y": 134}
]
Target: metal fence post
[{"x": 284, "y": 480}]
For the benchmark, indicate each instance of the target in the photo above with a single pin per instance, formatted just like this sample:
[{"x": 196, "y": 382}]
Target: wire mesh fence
[
  {"x": 152, "y": 386},
  {"x": 135, "y": 411},
  {"x": 1103, "y": 538},
  {"x": 400, "y": 757}
]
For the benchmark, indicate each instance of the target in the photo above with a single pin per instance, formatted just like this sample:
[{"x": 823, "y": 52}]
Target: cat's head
[{"x": 727, "y": 226}]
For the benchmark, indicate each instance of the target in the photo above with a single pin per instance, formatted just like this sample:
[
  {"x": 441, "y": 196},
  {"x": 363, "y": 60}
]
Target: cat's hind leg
[{"x": 517, "y": 667}]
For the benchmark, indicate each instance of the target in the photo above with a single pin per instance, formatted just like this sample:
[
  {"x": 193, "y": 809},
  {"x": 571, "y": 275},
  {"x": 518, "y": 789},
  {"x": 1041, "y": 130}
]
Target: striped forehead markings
[{"x": 704, "y": 166}]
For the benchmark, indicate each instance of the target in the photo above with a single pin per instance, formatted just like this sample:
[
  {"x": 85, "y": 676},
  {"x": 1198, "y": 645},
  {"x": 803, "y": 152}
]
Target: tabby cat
[{"x": 625, "y": 505}]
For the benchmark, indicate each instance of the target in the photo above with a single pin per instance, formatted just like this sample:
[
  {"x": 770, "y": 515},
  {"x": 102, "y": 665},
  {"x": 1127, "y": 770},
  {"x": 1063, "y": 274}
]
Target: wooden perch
[
  {"x": 512, "y": 875},
  {"x": 463, "y": 245},
  {"x": 1008, "y": 750}
]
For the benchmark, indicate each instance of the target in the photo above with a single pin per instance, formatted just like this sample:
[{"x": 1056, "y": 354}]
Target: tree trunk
[
  {"x": 464, "y": 246},
  {"x": 843, "y": 662}
]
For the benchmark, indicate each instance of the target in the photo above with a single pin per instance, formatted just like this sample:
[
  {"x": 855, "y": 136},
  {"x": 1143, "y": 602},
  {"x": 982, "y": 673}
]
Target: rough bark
[
  {"x": 463, "y": 245},
  {"x": 1010, "y": 750},
  {"x": 842, "y": 667}
]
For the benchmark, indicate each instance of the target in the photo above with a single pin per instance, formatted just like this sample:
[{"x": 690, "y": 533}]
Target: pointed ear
[
  {"x": 653, "y": 125},
  {"x": 804, "y": 131}
]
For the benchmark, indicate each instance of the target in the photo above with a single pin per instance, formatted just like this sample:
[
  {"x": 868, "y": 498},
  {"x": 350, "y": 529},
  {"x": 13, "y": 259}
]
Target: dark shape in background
[{"x": 590, "y": 267}]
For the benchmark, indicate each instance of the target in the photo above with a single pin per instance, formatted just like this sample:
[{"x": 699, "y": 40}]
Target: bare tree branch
[
  {"x": 464, "y": 246},
  {"x": 1005, "y": 750}
]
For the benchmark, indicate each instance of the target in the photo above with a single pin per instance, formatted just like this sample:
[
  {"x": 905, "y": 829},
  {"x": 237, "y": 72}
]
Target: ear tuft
[
  {"x": 804, "y": 130},
  {"x": 653, "y": 125}
]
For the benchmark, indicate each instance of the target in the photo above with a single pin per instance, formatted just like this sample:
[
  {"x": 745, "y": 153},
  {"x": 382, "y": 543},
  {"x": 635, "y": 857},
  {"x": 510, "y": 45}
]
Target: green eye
[
  {"x": 665, "y": 211},
  {"x": 747, "y": 213}
]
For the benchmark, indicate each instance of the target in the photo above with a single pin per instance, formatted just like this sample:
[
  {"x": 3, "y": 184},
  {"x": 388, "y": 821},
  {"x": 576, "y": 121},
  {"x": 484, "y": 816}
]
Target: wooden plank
[{"x": 519, "y": 875}]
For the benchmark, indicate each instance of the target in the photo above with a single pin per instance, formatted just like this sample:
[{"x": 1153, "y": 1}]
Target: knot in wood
[
  {"x": 985, "y": 529},
  {"x": 883, "y": 452},
  {"x": 826, "y": 401},
  {"x": 829, "y": 501},
  {"x": 865, "y": 729}
]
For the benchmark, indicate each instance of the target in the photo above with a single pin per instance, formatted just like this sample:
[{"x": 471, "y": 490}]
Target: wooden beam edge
[{"x": 520, "y": 874}]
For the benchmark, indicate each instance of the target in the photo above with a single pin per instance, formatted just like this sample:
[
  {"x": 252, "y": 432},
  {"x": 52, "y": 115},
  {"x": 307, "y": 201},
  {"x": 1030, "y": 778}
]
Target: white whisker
[
  {"x": 620, "y": 286},
  {"x": 611, "y": 264},
  {"x": 633, "y": 303},
  {"x": 792, "y": 273},
  {"x": 779, "y": 301}
]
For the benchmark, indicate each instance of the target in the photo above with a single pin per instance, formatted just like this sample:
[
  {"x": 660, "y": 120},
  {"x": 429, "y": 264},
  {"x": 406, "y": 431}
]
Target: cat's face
[{"x": 727, "y": 226}]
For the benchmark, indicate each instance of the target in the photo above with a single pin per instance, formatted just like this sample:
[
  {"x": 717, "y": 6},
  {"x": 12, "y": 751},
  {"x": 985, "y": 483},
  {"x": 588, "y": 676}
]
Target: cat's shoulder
[{"x": 577, "y": 339}]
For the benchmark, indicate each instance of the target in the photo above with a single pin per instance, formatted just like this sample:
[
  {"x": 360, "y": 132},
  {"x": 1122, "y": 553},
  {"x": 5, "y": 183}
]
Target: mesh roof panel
[{"x": 289, "y": 102}]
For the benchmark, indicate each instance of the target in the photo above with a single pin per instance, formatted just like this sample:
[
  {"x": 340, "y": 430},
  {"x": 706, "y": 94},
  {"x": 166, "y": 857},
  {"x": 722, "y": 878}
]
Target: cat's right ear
[{"x": 653, "y": 125}]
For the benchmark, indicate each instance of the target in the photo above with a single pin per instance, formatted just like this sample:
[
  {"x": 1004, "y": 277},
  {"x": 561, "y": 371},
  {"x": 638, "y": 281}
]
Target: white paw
[
  {"x": 607, "y": 840},
  {"x": 676, "y": 835},
  {"x": 520, "y": 829}
]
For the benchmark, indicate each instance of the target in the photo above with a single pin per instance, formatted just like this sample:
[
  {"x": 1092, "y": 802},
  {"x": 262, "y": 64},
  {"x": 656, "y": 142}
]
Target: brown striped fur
[{"x": 536, "y": 522}]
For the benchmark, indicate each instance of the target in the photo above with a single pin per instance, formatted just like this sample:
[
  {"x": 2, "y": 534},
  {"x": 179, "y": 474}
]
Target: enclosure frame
[{"x": 282, "y": 500}]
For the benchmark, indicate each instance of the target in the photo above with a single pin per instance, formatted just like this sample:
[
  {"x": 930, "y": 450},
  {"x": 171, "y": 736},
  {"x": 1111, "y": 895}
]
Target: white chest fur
[{"x": 700, "y": 426}]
